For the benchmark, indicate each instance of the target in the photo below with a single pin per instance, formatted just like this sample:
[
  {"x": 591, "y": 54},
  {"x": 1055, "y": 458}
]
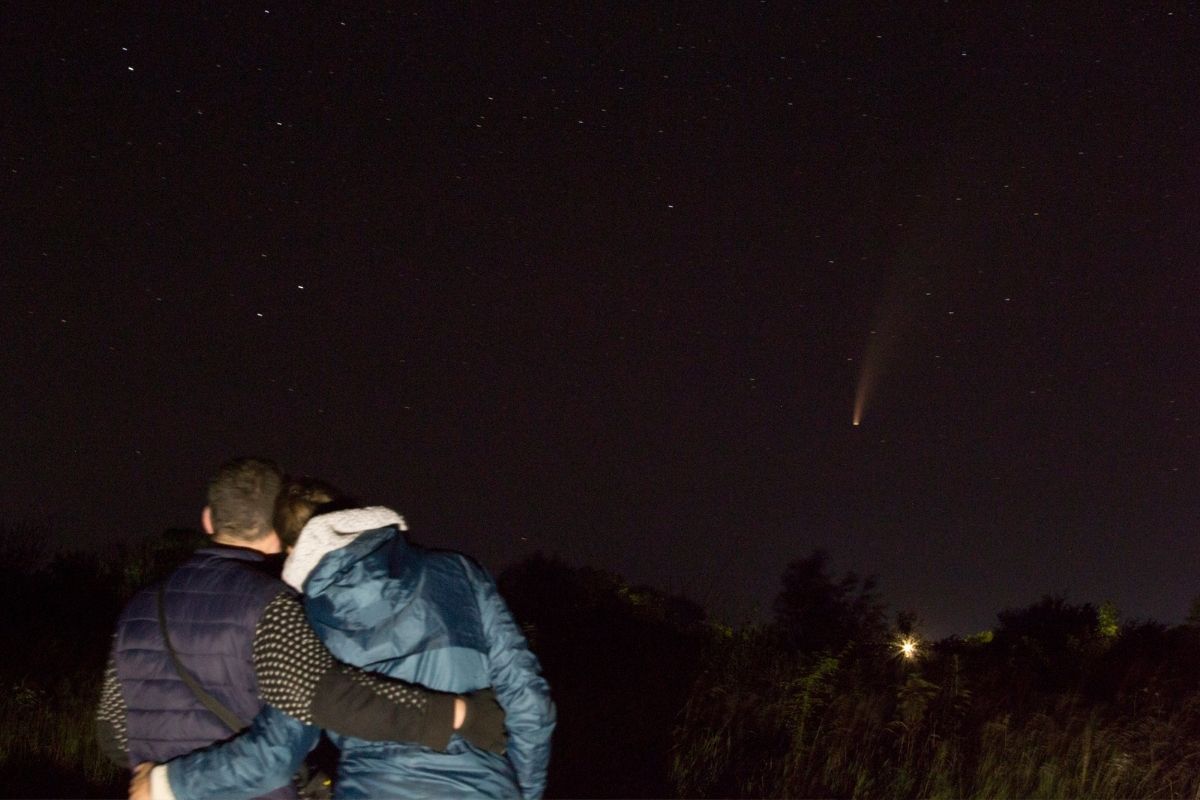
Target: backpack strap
[{"x": 231, "y": 720}]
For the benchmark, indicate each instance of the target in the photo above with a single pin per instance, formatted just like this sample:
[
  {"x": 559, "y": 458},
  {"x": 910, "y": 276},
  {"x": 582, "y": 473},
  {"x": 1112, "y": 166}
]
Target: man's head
[{"x": 241, "y": 503}]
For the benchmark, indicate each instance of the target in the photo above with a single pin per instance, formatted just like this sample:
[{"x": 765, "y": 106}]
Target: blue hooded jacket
[{"x": 429, "y": 617}]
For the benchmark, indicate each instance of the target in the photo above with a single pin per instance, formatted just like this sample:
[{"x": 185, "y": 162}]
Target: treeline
[
  {"x": 656, "y": 700},
  {"x": 1059, "y": 700}
]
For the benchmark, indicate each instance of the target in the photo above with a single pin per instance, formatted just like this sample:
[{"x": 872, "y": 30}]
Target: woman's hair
[{"x": 300, "y": 500}]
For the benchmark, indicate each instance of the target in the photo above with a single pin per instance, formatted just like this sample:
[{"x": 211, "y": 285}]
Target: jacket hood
[{"x": 328, "y": 532}]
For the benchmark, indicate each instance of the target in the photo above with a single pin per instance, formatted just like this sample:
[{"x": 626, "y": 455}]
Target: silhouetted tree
[
  {"x": 1048, "y": 642},
  {"x": 1193, "y": 616},
  {"x": 815, "y": 612}
]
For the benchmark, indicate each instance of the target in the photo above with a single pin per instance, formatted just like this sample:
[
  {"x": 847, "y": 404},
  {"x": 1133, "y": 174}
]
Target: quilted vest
[{"x": 212, "y": 604}]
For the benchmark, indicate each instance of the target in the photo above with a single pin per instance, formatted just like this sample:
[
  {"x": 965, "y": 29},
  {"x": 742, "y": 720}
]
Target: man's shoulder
[
  {"x": 213, "y": 574},
  {"x": 210, "y": 574},
  {"x": 226, "y": 557}
]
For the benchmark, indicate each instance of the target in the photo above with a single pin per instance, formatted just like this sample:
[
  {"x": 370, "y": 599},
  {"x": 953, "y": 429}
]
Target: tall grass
[
  {"x": 965, "y": 721},
  {"x": 61, "y": 610},
  {"x": 47, "y": 742}
]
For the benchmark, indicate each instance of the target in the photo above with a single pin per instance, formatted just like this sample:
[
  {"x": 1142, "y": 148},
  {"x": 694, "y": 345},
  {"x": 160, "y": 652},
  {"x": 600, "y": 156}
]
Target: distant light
[{"x": 908, "y": 647}]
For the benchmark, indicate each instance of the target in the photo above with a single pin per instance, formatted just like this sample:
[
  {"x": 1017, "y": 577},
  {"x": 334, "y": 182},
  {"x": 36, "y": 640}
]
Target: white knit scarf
[{"x": 328, "y": 532}]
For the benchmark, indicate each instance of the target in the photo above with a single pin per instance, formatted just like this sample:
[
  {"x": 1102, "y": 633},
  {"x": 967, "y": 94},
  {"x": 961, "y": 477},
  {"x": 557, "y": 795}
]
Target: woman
[{"x": 429, "y": 617}]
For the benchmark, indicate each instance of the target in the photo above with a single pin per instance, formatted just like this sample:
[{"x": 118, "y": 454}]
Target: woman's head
[{"x": 300, "y": 500}]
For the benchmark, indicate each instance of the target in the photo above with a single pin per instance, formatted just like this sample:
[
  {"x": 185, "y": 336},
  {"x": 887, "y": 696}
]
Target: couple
[{"x": 222, "y": 641}]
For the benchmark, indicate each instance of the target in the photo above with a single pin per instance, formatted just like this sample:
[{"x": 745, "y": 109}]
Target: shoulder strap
[{"x": 231, "y": 720}]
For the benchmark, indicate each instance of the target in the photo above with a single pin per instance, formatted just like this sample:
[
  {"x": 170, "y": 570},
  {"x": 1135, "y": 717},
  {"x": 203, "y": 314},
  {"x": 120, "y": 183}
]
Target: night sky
[{"x": 605, "y": 283}]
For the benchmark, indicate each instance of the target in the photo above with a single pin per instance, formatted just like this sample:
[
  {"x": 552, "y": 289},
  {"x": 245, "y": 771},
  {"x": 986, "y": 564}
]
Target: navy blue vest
[{"x": 213, "y": 603}]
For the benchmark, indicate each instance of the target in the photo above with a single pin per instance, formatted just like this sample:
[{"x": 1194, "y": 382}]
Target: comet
[
  {"x": 883, "y": 344},
  {"x": 866, "y": 378},
  {"x": 925, "y": 262}
]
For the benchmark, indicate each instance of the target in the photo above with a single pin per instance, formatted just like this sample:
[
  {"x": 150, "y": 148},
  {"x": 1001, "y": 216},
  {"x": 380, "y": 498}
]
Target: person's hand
[
  {"x": 484, "y": 725},
  {"x": 460, "y": 712},
  {"x": 139, "y": 784}
]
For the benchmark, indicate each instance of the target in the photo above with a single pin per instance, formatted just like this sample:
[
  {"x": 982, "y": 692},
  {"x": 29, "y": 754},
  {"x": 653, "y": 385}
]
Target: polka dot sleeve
[
  {"x": 300, "y": 677},
  {"x": 110, "y": 718},
  {"x": 289, "y": 659}
]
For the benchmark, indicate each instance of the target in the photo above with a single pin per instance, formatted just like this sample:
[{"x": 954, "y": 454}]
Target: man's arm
[
  {"x": 110, "y": 718},
  {"x": 300, "y": 677},
  {"x": 523, "y": 692}
]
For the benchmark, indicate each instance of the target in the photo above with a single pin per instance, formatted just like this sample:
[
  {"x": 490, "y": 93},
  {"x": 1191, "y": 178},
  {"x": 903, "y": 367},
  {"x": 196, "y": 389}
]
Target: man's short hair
[{"x": 242, "y": 496}]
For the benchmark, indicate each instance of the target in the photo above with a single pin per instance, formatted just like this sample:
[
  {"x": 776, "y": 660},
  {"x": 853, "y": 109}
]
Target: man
[{"x": 225, "y": 614}]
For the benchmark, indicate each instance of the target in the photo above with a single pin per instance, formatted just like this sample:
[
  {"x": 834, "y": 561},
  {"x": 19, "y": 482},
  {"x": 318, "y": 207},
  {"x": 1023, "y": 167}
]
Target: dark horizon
[{"x": 604, "y": 283}]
